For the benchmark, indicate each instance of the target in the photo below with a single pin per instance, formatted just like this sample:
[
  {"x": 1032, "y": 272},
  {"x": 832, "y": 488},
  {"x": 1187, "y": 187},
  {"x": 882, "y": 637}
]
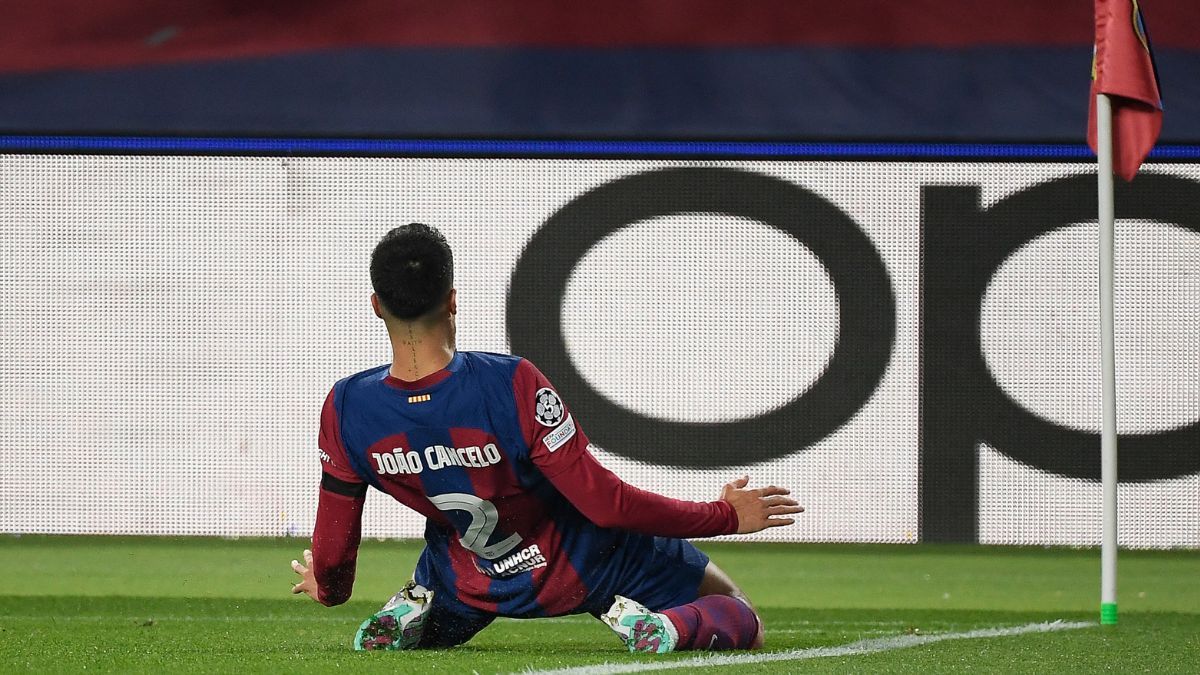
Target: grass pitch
[{"x": 155, "y": 604}]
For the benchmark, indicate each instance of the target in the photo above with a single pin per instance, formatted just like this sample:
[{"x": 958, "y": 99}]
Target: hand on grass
[
  {"x": 759, "y": 508},
  {"x": 308, "y": 582}
]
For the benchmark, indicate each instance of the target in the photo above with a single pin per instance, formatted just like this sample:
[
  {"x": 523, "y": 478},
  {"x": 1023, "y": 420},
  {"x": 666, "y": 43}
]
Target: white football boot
[
  {"x": 399, "y": 624},
  {"x": 640, "y": 629}
]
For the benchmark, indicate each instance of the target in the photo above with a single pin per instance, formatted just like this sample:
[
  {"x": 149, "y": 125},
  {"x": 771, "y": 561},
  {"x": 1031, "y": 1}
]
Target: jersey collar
[{"x": 430, "y": 379}]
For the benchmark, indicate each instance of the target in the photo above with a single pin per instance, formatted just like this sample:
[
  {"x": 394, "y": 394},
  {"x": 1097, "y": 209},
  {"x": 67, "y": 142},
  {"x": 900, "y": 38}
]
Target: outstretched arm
[
  {"x": 327, "y": 574},
  {"x": 559, "y": 448},
  {"x": 335, "y": 541},
  {"x": 608, "y": 501}
]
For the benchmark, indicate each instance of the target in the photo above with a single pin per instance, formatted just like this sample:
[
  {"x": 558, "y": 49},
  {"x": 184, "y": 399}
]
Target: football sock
[{"x": 714, "y": 622}]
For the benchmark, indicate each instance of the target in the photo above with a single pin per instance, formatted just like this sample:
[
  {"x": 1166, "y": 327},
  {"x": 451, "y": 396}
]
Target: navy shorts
[{"x": 658, "y": 572}]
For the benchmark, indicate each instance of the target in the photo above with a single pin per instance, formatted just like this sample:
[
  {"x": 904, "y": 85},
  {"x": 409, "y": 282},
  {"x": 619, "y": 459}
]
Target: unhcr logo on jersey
[{"x": 522, "y": 561}]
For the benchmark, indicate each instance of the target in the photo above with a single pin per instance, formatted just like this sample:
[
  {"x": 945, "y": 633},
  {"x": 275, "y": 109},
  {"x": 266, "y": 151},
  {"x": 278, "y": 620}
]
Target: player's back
[{"x": 457, "y": 446}]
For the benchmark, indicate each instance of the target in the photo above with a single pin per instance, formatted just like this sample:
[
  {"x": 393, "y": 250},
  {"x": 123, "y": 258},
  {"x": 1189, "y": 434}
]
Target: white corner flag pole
[{"x": 1108, "y": 364}]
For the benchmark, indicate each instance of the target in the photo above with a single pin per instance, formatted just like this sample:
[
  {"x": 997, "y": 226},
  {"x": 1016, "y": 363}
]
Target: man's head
[{"x": 412, "y": 272}]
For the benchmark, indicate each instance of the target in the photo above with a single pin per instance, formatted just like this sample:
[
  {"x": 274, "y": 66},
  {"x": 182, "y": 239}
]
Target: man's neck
[{"x": 417, "y": 351}]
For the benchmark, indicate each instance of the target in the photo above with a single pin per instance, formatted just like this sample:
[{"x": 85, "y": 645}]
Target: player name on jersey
[{"x": 435, "y": 457}]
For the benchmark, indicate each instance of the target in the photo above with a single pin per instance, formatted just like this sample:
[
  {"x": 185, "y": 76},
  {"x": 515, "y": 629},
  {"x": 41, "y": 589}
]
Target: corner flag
[{"x": 1123, "y": 68}]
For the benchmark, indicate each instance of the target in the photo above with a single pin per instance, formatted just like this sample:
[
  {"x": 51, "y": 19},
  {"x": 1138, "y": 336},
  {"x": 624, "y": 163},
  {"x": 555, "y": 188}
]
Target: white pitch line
[
  {"x": 166, "y": 618},
  {"x": 870, "y": 646},
  {"x": 816, "y": 631}
]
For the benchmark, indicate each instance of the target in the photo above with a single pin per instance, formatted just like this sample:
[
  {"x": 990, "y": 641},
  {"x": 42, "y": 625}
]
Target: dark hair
[{"x": 412, "y": 270}]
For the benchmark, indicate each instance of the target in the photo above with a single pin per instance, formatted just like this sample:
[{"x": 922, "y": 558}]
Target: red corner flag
[{"x": 1123, "y": 68}]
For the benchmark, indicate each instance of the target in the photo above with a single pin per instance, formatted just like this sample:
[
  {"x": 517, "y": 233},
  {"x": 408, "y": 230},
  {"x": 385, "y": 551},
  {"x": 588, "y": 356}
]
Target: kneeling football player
[{"x": 522, "y": 521}]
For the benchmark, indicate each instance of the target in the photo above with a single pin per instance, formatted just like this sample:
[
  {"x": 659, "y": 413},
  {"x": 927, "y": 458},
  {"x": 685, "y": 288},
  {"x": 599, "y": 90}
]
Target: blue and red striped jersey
[{"x": 521, "y": 517}]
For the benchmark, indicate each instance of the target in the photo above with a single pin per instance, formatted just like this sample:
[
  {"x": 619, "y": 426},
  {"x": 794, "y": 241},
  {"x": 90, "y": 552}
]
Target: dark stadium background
[{"x": 1014, "y": 70}]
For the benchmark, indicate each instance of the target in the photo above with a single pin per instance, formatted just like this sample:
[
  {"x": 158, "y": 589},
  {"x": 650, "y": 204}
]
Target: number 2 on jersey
[{"x": 484, "y": 519}]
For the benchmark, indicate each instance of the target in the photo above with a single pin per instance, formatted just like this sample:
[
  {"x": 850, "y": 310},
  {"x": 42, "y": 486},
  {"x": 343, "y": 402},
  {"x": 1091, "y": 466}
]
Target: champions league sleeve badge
[{"x": 549, "y": 407}]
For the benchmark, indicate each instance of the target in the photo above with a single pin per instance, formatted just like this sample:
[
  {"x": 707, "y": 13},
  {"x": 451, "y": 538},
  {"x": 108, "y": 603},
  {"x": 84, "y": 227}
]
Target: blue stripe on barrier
[{"x": 538, "y": 148}]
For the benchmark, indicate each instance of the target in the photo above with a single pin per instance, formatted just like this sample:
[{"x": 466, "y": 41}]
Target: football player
[{"x": 521, "y": 520}]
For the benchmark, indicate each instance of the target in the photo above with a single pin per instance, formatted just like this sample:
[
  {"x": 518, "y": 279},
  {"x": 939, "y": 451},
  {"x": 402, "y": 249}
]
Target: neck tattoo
[{"x": 412, "y": 347}]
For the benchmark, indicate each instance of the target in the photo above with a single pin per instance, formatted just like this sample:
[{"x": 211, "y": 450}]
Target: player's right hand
[
  {"x": 759, "y": 508},
  {"x": 308, "y": 580}
]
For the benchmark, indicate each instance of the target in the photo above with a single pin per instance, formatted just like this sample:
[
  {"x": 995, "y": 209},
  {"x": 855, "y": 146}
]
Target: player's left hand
[
  {"x": 759, "y": 508},
  {"x": 308, "y": 582}
]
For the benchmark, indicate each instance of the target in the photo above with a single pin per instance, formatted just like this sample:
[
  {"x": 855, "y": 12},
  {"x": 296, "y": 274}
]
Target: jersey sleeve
[
  {"x": 334, "y": 460},
  {"x": 559, "y": 448},
  {"x": 338, "y": 529},
  {"x": 555, "y": 438}
]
